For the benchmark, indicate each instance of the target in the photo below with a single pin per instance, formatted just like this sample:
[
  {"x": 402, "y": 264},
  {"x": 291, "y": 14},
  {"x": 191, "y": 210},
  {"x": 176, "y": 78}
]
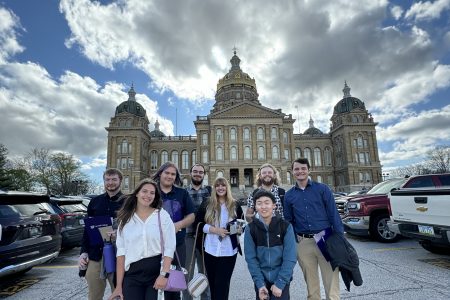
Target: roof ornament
[
  {"x": 311, "y": 122},
  {"x": 131, "y": 93},
  {"x": 346, "y": 90},
  {"x": 157, "y": 125},
  {"x": 235, "y": 61}
]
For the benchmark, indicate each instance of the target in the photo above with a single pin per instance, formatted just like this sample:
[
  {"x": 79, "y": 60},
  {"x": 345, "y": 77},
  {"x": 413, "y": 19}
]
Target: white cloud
[
  {"x": 427, "y": 10},
  {"x": 9, "y": 25},
  {"x": 396, "y": 12},
  {"x": 94, "y": 163}
]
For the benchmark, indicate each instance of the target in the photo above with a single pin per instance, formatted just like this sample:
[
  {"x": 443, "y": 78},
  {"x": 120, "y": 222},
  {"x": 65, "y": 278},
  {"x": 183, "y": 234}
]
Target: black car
[
  {"x": 30, "y": 232},
  {"x": 72, "y": 213}
]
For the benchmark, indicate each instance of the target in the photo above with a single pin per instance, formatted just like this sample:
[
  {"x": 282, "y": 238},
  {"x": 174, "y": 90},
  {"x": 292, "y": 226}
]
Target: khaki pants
[
  {"x": 310, "y": 258},
  {"x": 96, "y": 285}
]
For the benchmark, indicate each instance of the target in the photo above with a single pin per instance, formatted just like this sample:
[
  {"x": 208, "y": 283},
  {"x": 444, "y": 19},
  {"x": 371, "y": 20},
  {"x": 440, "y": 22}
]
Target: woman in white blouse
[
  {"x": 139, "y": 270},
  {"x": 221, "y": 241}
]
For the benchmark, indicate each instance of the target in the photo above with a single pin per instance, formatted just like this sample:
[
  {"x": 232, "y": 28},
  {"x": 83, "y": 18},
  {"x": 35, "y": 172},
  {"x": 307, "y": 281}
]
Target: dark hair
[
  {"x": 163, "y": 167},
  {"x": 263, "y": 193},
  {"x": 130, "y": 203},
  {"x": 113, "y": 171},
  {"x": 197, "y": 165},
  {"x": 303, "y": 161}
]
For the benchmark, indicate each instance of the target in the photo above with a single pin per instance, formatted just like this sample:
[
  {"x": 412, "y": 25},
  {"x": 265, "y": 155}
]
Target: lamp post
[{"x": 298, "y": 119}]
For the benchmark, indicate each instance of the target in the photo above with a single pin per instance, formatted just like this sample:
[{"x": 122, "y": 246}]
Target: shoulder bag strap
[{"x": 194, "y": 249}]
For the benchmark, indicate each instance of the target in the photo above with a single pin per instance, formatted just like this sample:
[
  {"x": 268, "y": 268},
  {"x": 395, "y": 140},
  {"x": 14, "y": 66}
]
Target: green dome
[
  {"x": 348, "y": 103},
  {"x": 131, "y": 106}
]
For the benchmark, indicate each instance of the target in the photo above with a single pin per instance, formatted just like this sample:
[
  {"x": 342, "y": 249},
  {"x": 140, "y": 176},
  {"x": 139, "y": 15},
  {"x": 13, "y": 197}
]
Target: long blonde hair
[{"x": 213, "y": 209}]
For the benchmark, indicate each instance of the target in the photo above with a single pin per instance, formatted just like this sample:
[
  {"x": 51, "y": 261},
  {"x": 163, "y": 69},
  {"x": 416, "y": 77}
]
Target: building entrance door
[{"x": 234, "y": 177}]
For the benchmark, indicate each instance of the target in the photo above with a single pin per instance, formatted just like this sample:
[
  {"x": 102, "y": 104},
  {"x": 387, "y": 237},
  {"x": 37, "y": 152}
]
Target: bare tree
[
  {"x": 40, "y": 166},
  {"x": 439, "y": 159},
  {"x": 416, "y": 169}
]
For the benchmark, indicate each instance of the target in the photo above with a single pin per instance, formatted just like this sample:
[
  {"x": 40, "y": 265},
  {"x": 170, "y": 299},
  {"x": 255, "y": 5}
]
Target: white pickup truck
[{"x": 422, "y": 214}]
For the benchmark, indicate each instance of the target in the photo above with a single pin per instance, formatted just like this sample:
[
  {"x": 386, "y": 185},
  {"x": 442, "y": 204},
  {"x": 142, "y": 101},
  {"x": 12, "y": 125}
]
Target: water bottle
[
  {"x": 83, "y": 269},
  {"x": 109, "y": 257}
]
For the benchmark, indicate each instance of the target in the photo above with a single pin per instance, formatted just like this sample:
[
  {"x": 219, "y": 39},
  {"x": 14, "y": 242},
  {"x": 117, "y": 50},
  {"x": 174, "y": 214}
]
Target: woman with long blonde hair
[{"x": 217, "y": 218}]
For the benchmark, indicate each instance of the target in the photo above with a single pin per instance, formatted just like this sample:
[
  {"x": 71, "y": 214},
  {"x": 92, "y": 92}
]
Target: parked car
[
  {"x": 30, "y": 232},
  {"x": 368, "y": 214},
  {"x": 356, "y": 193},
  {"x": 72, "y": 213}
]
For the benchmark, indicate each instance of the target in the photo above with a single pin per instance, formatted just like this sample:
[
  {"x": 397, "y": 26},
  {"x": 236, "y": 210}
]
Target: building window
[
  {"x": 330, "y": 180},
  {"x": 233, "y": 153},
  {"x": 153, "y": 160},
  {"x": 365, "y": 144},
  {"x": 319, "y": 178},
  {"x": 260, "y": 134},
  {"x": 194, "y": 157},
  {"x": 124, "y": 147},
  {"x": 275, "y": 153},
  {"x": 119, "y": 148},
  {"x": 273, "y": 134},
  {"x": 205, "y": 156},
  {"x": 175, "y": 158},
  {"x": 219, "y": 153},
  {"x": 204, "y": 139},
  {"x": 298, "y": 153},
  {"x": 261, "y": 152},
  {"x": 184, "y": 160},
  {"x": 123, "y": 163},
  {"x": 285, "y": 137},
  {"x": 247, "y": 152},
  {"x": 219, "y": 136},
  {"x": 219, "y": 174},
  {"x": 288, "y": 178},
  {"x": 360, "y": 142},
  {"x": 286, "y": 153},
  {"x": 327, "y": 157},
  {"x": 307, "y": 153},
  {"x": 118, "y": 163},
  {"x": 317, "y": 157},
  {"x": 164, "y": 157},
  {"x": 233, "y": 134},
  {"x": 246, "y": 134},
  {"x": 126, "y": 183}
]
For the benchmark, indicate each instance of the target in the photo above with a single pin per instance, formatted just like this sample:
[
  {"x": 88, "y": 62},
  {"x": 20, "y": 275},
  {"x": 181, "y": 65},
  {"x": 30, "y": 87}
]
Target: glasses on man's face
[{"x": 198, "y": 172}]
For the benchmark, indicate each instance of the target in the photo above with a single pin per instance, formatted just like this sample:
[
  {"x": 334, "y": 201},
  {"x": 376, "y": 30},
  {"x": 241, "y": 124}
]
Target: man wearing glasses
[
  {"x": 198, "y": 193},
  {"x": 106, "y": 204}
]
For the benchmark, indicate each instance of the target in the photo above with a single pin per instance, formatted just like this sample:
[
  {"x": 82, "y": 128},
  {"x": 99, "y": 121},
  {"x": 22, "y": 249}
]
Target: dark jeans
[
  {"x": 181, "y": 250},
  {"x": 284, "y": 295},
  {"x": 219, "y": 271},
  {"x": 139, "y": 279}
]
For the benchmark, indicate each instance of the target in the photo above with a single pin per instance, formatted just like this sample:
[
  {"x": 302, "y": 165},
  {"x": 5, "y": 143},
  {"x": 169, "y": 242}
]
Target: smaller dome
[
  {"x": 157, "y": 133},
  {"x": 131, "y": 106},
  {"x": 348, "y": 103},
  {"x": 312, "y": 130}
]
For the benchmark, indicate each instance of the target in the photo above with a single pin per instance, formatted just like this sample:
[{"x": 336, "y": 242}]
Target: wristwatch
[{"x": 164, "y": 274}]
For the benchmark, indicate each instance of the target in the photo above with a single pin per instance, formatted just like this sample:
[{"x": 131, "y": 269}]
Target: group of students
[{"x": 161, "y": 224}]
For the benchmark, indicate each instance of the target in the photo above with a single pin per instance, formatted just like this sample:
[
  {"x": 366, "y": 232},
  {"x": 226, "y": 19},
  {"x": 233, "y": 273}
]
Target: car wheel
[
  {"x": 435, "y": 248},
  {"x": 380, "y": 231}
]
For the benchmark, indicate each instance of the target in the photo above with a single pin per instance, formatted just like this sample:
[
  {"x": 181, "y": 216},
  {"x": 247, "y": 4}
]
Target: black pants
[
  {"x": 139, "y": 279},
  {"x": 181, "y": 250},
  {"x": 219, "y": 271},
  {"x": 284, "y": 295}
]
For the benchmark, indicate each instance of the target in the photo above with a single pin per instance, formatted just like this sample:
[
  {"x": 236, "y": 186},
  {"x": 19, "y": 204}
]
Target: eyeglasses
[{"x": 198, "y": 172}]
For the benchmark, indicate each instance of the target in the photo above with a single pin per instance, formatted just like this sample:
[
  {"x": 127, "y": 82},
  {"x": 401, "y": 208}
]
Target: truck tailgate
[{"x": 425, "y": 206}]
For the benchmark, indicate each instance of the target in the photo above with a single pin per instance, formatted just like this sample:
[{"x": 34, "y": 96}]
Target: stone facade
[{"x": 240, "y": 134}]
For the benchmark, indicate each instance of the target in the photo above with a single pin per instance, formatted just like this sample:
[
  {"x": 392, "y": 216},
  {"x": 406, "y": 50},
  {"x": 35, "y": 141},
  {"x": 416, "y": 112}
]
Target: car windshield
[
  {"x": 386, "y": 186},
  {"x": 24, "y": 210}
]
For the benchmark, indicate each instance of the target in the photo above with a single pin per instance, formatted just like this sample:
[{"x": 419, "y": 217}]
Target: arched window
[
  {"x": 219, "y": 136},
  {"x": 275, "y": 153},
  {"x": 124, "y": 147},
  {"x": 307, "y": 153},
  {"x": 219, "y": 174},
  {"x": 184, "y": 160},
  {"x": 175, "y": 158},
  {"x": 285, "y": 137},
  {"x": 317, "y": 157},
  {"x": 360, "y": 142},
  {"x": 367, "y": 177},
  {"x": 219, "y": 153},
  {"x": 328, "y": 161},
  {"x": 298, "y": 153},
  {"x": 246, "y": 134},
  {"x": 247, "y": 152},
  {"x": 205, "y": 156},
  {"x": 286, "y": 153},
  {"x": 319, "y": 178},
  {"x": 164, "y": 157},
  {"x": 194, "y": 157},
  {"x": 260, "y": 134},
  {"x": 233, "y": 134},
  {"x": 261, "y": 152},
  {"x": 204, "y": 139},
  {"x": 119, "y": 148},
  {"x": 233, "y": 153},
  {"x": 288, "y": 178},
  {"x": 153, "y": 160},
  {"x": 273, "y": 134}
]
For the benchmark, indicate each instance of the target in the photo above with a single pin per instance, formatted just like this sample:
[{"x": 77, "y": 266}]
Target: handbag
[
  {"x": 199, "y": 283},
  {"x": 176, "y": 281}
]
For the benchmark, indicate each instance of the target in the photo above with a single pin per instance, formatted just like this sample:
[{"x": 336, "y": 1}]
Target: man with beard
[
  {"x": 178, "y": 203},
  {"x": 198, "y": 193},
  {"x": 106, "y": 204},
  {"x": 266, "y": 179}
]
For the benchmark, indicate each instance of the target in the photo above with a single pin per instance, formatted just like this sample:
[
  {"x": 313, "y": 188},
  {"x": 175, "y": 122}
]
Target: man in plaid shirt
[{"x": 266, "y": 179}]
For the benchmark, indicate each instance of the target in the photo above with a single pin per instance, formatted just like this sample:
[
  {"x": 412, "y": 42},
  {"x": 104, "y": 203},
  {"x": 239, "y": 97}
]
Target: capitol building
[{"x": 239, "y": 135}]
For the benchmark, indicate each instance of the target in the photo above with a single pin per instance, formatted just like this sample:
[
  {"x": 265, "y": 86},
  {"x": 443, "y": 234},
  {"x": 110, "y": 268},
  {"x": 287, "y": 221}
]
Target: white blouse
[
  {"x": 139, "y": 239},
  {"x": 215, "y": 246}
]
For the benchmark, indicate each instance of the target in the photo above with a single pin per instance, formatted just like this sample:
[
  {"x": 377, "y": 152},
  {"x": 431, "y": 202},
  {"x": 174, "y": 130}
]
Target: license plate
[
  {"x": 428, "y": 230},
  {"x": 81, "y": 222}
]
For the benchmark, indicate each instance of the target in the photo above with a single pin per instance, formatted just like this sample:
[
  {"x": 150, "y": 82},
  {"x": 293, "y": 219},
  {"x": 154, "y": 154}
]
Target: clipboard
[{"x": 92, "y": 225}]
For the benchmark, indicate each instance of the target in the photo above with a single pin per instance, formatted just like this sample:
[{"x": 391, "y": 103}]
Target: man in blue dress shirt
[{"x": 311, "y": 209}]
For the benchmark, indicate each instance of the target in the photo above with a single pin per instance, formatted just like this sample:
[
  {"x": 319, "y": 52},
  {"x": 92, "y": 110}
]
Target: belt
[{"x": 306, "y": 235}]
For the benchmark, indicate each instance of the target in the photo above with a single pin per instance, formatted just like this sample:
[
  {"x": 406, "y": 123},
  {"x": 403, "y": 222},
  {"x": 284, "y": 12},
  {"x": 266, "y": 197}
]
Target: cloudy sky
[{"x": 65, "y": 66}]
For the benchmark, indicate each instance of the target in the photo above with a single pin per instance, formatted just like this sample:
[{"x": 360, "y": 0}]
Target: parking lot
[{"x": 403, "y": 270}]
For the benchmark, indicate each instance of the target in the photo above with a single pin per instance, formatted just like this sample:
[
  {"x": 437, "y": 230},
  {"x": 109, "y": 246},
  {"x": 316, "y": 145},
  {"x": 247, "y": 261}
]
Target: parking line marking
[
  {"x": 395, "y": 249},
  {"x": 55, "y": 267}
]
